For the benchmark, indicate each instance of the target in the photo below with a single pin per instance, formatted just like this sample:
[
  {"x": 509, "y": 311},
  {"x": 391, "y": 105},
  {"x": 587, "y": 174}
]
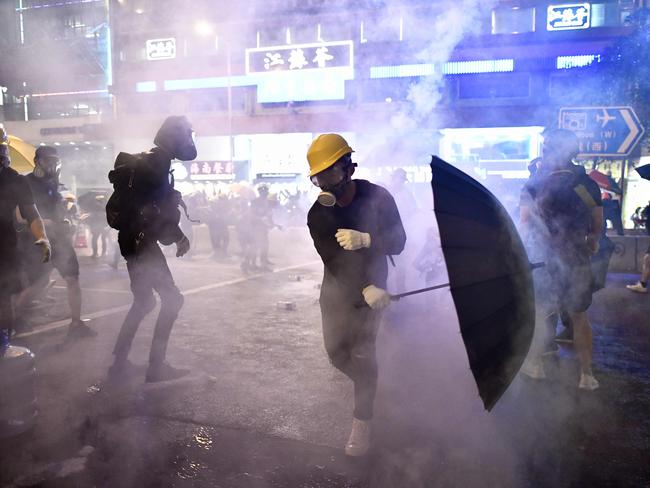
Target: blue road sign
[{"x": 603, "y": 131}]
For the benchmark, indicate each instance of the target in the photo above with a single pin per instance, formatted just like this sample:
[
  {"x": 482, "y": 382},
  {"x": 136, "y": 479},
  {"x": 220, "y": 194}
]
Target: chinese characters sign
[
  {"x": 299, "y": 57},
  {"x": 161, "y": 49},
  {"x": 210, "y": 170},
  {"x": 569, "y": 16}
]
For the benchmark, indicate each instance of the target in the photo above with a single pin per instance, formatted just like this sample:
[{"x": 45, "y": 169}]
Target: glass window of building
[
  {"x": 514, "y": 20},
  {"x": 605, "y": 15}
]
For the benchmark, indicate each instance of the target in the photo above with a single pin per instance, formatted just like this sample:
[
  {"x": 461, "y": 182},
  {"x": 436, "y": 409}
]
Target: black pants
[
  {"x": 612, "y": 212},
  {"x": 349, "y": 334},
  {"x": 219, "y": 237},
  {"x": 148, "y": 271}
]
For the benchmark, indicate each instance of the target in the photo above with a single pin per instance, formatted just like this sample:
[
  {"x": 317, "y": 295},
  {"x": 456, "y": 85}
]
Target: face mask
[
  {"x": 332, "y": 183},
  {"x": 185, "y": 148},
  {"x": 329, "y": 195},
  {"x": 48, "y": 167}
]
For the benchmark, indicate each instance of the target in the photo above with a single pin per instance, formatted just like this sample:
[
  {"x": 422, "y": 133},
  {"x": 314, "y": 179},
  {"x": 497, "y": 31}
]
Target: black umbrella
[
  {"x": 489, "y": 277},
  {"x": 644, "y": 171}
]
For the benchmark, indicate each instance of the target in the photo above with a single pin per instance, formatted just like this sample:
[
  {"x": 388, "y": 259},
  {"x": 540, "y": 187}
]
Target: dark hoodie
[{"x": 347, "y": 273}]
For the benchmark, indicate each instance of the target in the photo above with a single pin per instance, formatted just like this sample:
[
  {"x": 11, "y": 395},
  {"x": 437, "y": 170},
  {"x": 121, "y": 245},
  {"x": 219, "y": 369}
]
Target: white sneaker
[
  {"x": 359, "y": 440},
  {"x": 588, "y": 382},
  {"x": 638, "y": 287},
  {"x": 533, "y": 369}
]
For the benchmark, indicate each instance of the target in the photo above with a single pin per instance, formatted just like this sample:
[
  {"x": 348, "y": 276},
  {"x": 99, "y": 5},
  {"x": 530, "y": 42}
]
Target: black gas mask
[
  {"x": 333, "y": 181},
  {"x": 48, "y": 167},
  {"x": 177, "y": 138}
]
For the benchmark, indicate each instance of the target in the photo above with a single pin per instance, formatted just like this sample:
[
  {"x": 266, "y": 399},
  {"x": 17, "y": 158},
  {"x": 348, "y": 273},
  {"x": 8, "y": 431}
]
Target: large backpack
[{"x": 144, "y": 199}]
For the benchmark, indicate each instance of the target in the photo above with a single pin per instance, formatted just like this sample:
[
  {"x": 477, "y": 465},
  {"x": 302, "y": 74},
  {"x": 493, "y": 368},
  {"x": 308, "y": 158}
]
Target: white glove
[
  {"x": 351, "y": 240},
  {"x": 182, "y": 246},
  {"x": 376, "y": 298},
  {"x": 46, "y": 249}
]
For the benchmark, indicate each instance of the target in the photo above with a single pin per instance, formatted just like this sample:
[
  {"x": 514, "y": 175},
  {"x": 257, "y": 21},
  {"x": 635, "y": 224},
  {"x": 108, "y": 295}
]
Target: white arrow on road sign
[{"x": 626, "y": 145}]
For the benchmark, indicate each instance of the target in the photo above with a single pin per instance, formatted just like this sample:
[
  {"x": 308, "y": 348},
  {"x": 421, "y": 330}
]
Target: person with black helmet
[
  {"x": 14, "y": 192},
  {"x": 44, "y": 183},
  {"x": 355, "y": 225},
  {"x": 144, "y": 224},
  {"x": 561, "y": 217}
]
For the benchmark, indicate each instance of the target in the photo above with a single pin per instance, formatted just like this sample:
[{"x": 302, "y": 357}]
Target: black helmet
[
  {"x": 562, "y": 141},
  {"x": 177, "y": 138},
  {"x": 48, "y": 164}
]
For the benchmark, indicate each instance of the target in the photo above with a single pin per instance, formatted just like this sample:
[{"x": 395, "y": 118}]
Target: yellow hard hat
[{"x": 326, "y": 150}]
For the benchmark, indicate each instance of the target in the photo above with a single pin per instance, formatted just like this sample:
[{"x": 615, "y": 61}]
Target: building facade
[{"x": 401, "y": 80}]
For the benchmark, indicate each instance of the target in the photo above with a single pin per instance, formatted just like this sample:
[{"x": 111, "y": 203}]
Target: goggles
[{"x": 332, "y": 176}]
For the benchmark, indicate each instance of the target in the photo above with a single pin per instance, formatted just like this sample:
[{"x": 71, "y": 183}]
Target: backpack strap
[{"x": 584, "y": 195}]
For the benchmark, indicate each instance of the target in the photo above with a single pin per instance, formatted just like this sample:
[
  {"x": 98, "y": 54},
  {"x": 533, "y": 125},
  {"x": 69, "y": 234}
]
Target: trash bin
[{"x": 18, "y": 391}]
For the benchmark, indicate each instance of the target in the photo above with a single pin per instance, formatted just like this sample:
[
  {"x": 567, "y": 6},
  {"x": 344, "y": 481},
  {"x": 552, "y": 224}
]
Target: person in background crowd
[
  {"x": 217, "y": 219},
  {"x": 262, "y": 222}
]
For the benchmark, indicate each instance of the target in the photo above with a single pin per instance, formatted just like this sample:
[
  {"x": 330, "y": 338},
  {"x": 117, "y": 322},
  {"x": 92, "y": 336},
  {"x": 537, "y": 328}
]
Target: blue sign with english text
[{"x": 603, "y": 131}]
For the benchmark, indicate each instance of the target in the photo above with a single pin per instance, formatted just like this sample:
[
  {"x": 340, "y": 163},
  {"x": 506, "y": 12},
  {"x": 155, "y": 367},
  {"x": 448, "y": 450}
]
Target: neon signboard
[
  {"x": 568, "y": 16},
  {"x": 299, "y": 57},
  {"x": 161, "y": 49}
]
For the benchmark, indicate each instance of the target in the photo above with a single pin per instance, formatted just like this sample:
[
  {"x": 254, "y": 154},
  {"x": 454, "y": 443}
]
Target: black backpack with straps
[{"x": 144, "y": 199}]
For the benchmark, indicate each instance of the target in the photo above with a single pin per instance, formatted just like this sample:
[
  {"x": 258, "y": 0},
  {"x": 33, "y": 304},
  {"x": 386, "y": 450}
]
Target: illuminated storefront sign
[
  {"x": 301, "y": 72},
  {"x": 161, "y": 49},
  {"x": 299, "y": 57},
  {"x": 568, "y": 17},
  {"x": 208, "y": 171}
]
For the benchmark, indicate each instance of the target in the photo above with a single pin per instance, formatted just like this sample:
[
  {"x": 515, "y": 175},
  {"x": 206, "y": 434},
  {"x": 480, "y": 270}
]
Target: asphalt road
[{"x": 264, "y": 408}]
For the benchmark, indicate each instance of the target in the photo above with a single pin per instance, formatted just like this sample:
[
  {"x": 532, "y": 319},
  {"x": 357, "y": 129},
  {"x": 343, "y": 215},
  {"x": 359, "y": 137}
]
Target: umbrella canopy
[
  {"x": 644, "y": 171},
  {"x": 604, "y": 181},
  {"x": 21, "y": 154},
  {"x": 489, "y": 277}
]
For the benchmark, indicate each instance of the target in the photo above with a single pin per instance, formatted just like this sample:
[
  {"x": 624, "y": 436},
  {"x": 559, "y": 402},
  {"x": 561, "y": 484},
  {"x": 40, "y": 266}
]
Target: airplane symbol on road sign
[{"x": 605, "y": 118}]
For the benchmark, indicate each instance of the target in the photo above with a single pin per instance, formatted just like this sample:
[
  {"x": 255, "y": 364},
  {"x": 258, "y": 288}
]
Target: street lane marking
[
  {"x": 98, "y": 290},
  {"x": 192, "y": 291}
]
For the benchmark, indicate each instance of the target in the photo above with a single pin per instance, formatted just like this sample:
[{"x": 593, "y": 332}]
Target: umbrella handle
[{"x": 416, "y": 292}]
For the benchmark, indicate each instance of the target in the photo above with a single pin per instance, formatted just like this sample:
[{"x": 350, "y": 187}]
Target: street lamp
[{"x": 203, "y": 28}]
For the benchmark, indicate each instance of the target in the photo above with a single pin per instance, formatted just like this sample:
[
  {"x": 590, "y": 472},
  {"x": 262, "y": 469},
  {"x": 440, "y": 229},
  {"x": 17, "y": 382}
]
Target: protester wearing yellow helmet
[{"x": 355, "y": 225}]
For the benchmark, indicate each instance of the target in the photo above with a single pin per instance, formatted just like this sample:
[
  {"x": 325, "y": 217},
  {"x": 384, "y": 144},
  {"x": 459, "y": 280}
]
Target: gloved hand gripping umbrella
[{"x": 490, "y": 278}]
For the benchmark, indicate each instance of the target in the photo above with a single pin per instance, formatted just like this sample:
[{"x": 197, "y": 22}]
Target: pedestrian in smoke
[
  {"x": 561, "y": 217},
  {"x": 641, "y": 286},
  {"x": 408, "y": 209},
  {"x": 44, "y": 184},
  {"x": 217, "y": 219},
  {"x": 144, "y": 209},
  {"x": 355, "y": 225},
  {"x": 96, "y": 221},
  {"x": 14, "y": 192},
  {"x": 261, "y": 225}
]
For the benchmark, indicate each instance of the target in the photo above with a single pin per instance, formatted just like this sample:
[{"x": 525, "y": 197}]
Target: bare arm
[{"x": 36, "y": 225}]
